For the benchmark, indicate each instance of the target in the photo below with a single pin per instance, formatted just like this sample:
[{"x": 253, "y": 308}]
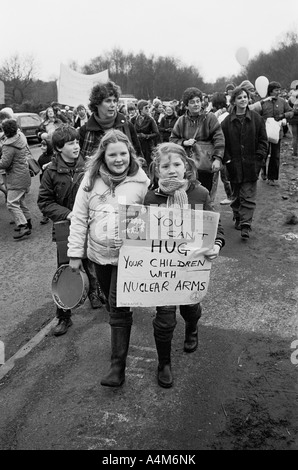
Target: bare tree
[{"x": 18, "y": 74}]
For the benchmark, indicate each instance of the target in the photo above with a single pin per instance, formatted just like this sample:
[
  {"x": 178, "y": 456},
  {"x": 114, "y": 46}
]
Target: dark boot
[
  {"x": 119, "y": 342},
  {"x": 29, "y": 224},
  {"x": 24, "y": 231},
  {"x": 95, "y": 295},
  {"x": 191, "y": 337},
  {"x": 164, "y": 373}
]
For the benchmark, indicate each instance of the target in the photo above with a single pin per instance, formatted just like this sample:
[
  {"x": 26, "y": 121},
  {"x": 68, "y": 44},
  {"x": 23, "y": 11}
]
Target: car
[{"x": 28, "y": 123}]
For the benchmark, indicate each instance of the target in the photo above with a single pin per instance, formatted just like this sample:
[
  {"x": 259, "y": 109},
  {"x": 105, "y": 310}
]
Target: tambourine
[{"x": 69, "y": 288}]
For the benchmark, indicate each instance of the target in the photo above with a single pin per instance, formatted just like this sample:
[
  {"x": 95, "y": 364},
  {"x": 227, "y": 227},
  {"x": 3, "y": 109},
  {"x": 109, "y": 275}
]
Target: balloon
[
  {"x": 242, "y": 56},
  {"x": 261, "y": 85}
]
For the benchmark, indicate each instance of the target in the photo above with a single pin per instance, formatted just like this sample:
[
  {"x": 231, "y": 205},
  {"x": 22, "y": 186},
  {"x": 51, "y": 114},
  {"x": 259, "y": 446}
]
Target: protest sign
[
  {"x": 161, "y": 261},
  {"x": 74, "y": 87}
]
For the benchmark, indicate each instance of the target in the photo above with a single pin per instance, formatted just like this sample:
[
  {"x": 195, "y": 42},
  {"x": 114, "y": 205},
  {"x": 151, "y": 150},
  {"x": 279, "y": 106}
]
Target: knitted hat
[
  {"x": 247, "y": 85},
  {"x": 141, "y": 104}
]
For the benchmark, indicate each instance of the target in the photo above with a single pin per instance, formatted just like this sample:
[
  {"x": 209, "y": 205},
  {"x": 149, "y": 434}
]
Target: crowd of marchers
[{"x": 151, "y": 153}]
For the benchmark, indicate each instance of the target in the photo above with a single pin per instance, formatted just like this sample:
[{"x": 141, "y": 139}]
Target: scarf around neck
[
  {"x": 107, "y": 123},
  {"x": 176, "y": 191},
  {"x": 110, "y": 179}
]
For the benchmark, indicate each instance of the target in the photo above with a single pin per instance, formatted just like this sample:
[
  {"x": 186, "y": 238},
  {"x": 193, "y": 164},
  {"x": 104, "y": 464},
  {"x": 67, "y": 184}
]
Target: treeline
[{"x": 146, "y": 77}]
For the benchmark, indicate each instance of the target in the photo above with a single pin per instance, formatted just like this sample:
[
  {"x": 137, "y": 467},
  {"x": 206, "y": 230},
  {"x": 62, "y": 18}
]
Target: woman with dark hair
[
  {"x": 146, "y": 129},
  {"x": 204, "y": 127},
  {"x": 105, "y": 116},
  {"x": 245, "y": 150},
  {"x": 167, "y": 123},
  {"x": 113, "y": 175},
  {"x": 279, "y": 109}
]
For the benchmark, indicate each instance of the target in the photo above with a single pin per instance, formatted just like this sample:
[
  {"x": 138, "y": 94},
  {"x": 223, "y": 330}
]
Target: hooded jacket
[
  {"x": 95, "y": 213},
  {"x": 14, "y": 162}
]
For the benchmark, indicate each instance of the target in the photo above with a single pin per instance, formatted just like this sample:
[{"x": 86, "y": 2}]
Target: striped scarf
[
  {"x": 110, "y": 179},
  {"x": 176, "y": 191}
]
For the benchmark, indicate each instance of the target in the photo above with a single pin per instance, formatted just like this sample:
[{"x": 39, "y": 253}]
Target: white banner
[
  {"x": 161, "y": 261},
  {"x": 2, "y": 92},
  {"x": 74, "y": 87}
]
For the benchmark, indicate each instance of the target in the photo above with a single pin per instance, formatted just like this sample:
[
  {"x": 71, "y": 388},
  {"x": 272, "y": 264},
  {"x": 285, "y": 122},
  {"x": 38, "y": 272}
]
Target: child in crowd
[
  {"x": 56, "y": 197},
  {"x": 112, "y": 173},
  {"x": 174, "y": 183},
  {"x": 18, "y": 180}
]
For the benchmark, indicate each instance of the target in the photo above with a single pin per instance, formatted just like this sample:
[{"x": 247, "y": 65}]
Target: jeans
[
  {"x": 165, "y": 321},
  {"x": 17, "y": 207},
  {"x": 244, "y": 201},
  {"x": 107, "y": 279}
]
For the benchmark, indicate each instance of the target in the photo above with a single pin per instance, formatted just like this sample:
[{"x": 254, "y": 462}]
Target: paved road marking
[{"x": 8, "y": 365}]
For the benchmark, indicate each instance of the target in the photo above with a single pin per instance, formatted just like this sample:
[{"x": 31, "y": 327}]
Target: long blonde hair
[{"x": 94, "y": 163}]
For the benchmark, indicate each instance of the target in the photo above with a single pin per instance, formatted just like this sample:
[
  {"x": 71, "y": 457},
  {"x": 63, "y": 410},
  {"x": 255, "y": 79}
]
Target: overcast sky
[{"x": 202, "y": 33}]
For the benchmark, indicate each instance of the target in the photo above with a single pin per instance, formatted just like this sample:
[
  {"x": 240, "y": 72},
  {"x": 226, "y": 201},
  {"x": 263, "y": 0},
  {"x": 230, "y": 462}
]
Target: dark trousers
[
  {"x": 274, "y": 160},
  {"x": 165, "y": 321},
  {"x": 244, "y": 201},
  {"x": 206, "y": 179},
  {"x": 294, "y": 128},
  {"x": 107, "y": 278}
]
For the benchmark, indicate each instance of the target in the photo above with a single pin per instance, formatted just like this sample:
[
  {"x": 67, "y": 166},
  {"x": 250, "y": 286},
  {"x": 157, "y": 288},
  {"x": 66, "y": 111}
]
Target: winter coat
[
  {"x": 58, "y": 188},
  {"x": 14, "y": 162},
  {"x": 196, "y": 193},
  {"x": 209, "y": 130},
  {"x": 147, "y": 132},
  {"x": 95, "y": 214},
  {"x": 91, "y": 134},
  {"x": 278, "y": 108},
  {"x": 293, "y": 102},
  {"x": 165, "y": 127},
  {"x": 245, "y": 146},
  {"x": 48, "y": 127}
]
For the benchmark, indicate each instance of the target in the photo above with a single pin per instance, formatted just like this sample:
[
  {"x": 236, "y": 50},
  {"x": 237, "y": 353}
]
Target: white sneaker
[{"x": 225, "y": 201}]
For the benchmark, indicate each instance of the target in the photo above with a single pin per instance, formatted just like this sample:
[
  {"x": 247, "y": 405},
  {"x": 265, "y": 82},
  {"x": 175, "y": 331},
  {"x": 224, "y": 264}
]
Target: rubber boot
[
  {"x": 191, "y": 337},
  {"x": 119, "y": 342},
  {"x": 164, "y": 372},
  {"x": 95, "y": 295}
]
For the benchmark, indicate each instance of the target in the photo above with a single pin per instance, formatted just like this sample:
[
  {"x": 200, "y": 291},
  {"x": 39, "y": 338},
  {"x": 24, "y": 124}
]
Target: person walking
[
  {"x": 105, "y": 116},
  {"x": 245, "y": 150},
  {"x": 57, "y": 192},
  {"x": 18, "y": 180},
  {"x": 195, "y": 125},
  {"x": 146, "y": 129},
  {"x": 113, "y": 175},
  {"x": 174, "y": 183},
  {"x": 279, "y": 109}
]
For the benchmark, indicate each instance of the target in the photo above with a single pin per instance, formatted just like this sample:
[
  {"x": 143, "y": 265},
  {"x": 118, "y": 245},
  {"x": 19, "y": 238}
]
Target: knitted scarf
[
  {"x": 107, "y": 123},
  {"x": 176, "y": 190},
  {"x": 110, "y": 179}
]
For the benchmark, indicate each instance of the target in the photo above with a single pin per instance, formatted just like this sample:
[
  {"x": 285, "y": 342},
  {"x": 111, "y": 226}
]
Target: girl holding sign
[
  {"x": 113, "y": 175},
  {"x": 174, "y": 184}
]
